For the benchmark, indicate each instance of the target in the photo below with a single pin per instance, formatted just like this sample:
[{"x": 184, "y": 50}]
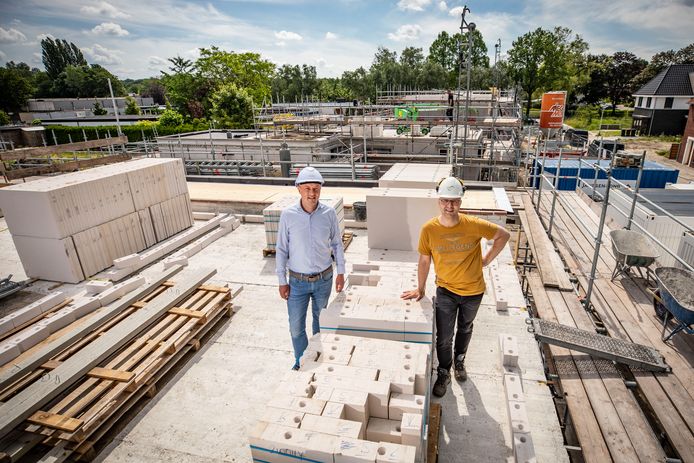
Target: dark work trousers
[{"x": 449, "y": 306}]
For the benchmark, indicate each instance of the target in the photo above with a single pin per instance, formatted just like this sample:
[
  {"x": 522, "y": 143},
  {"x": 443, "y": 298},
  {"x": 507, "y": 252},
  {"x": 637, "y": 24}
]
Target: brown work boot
[
  {"x": 442, "y": 381},
  {"x": 459, "y": 368}
]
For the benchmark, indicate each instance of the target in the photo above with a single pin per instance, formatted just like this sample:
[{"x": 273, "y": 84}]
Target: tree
[
  {"x": 154, "y": 89},
  {"x": 131, "y": 107},
  {"x": 245, "y": 70},
  {"x": 180, "y": 65},
  {"x": 621, "y": 69},
  {"x": 86, "y": 81},
  {"x": 541, "y": 60},
  {"x": 99, "y": 110},
  {"x": 4, "y": 118},
  {"x": 385, "y": 70},
  {"x": 15, "y": 86},
  {"x": 170, "y": 118},
  {"x": 447, "y": 50},
  {"x": 232, "y": 107},
  {"x": 58, "y": 54},
  {"x": 359, "y": 83}
]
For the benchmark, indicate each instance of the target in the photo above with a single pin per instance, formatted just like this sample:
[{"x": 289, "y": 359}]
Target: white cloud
[
  {"x": 281, "y": 44},
  {"x": 156, "y": 63},
  {"x": 103, "y": 9},
  {"x": 110, "y": 29},
  {"x": 11, "y": 35},
  {"x": 330, "y": 36},
  {"x": 413, "y": 5},
  {"x": 406, "y": 32},
  {"x": 443, "y": 6},
  {"x": 102, "y": 55},
  {"x": 36, "y": 58},
  {"x": 457, "y": 11},
  {"x": 40, "y": 37},
  {"x": 287, "y": 35},
  {"x": 321, "y": 63}
]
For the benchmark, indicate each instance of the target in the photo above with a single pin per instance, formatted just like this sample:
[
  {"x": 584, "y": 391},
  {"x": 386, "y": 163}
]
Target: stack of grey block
[
  {"x": 70, "y": 227},
  {"x": 272, "y": 213}
]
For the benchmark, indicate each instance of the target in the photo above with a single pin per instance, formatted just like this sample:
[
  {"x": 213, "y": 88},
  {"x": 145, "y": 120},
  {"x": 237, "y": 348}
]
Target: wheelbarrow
[
  {"x": 676, "y": 290},
  {"x": 632, "y": 250}
]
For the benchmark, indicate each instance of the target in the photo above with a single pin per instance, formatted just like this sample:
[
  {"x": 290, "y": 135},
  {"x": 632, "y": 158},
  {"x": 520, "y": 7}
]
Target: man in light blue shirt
[{"x": 307, "y": 241}]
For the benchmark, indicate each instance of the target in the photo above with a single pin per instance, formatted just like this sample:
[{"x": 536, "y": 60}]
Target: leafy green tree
[
  {"x": 4, "y": 118},
  {"x": 180, "y": 65},
  {"x": 170, "y": 118},
  {"x": 294, "y": 83},
  {"x": 332, "y": 89},
  {"x": 99, "y": 110},
  {"x": 385, "y": 70},
  {"x": 232, "y": 107},
  {"x": 245, "y": 70},
  {"x": 131, "y": 107},
  {"x": 542, "y": 59},
  {"x": 154, "y": 89},
  {"x": 359, "y": 83},
  {"x": 86, "y": 81},
  {"x": 58, "y": 54},
  {"x": 622, "y": 68},
  {"x": 15, "y": 86},
  {"x": 447, "y": 50}
]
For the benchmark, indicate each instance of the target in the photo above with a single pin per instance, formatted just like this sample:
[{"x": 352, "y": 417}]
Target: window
[
  {"x": 668, "y": 102},
  {"x": 640, "y": 103},
  {"x": 648, "y": 102}
]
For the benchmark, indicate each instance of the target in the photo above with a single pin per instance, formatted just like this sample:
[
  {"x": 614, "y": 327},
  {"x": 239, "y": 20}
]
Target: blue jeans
[{"x": 300, "y": 292}]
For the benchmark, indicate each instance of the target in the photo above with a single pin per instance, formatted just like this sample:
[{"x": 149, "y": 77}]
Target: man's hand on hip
[
  {"x": 415, "y": 294},
  {"x": 284, "y": 291},
  {"x": 339, "y": 282}
]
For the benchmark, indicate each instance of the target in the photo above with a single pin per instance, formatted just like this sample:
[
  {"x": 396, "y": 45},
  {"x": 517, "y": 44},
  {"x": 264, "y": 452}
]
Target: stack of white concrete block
[
  {"x": 502, "y": 280},
  {"x": 98, "y": 294},
  {"x": 272, "y": 213},
  {"x": 523, "y": 448},
  {"x": 354, "y": 399},
  {"x": 371, "y": 306},
  {"x": 368, "y": 130},
  {"x": 69, "y": 227},
  {"x": 396, "y": 215},
  {"x": 404, "y": 175},
  {"x": 193, "y": 241}
]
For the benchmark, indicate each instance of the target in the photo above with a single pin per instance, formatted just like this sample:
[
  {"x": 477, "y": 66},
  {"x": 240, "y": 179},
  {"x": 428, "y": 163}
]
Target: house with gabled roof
[{"x": 662, "y": 104}]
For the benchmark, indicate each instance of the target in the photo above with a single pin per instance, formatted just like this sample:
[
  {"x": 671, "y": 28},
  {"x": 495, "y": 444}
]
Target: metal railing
[{"x": 551, "y": 181}]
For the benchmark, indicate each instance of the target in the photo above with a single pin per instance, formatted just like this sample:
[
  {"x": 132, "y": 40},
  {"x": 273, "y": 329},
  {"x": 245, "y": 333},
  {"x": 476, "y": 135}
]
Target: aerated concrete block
[
  {"x": 294, "y": 389},
  {"x": 8, "y": 352},
  {"x": 518, "y": 416},
  {"x": 404, "y": 403},
  {"x": 84, "y": 306},
  {"x": 333, "y": 426},
  {"x": 175, "y": 260},
  {"x": 395, "y": 453},
  {"x": 355, "y": 451},
  {"x": 288, "y": 418},
  {"x": 523, "y": 448},
  {"x": 411, "y": 429},
  {"x": 334, "y": 409},
  {"x": 127, "y": 261},
  {"x": 29, "y": 337},
  {"x": 98, "y": 286},
  {"x": 59, "y": 319},
  {"x": 513, "y": 386},
  {"x": 356, "y": 404},
  {"x": 509, "y": 350},
  {"x": 276, "y": 443},
  {"x": 297, "y": 404},
  {"x": 380, "y": 430}
]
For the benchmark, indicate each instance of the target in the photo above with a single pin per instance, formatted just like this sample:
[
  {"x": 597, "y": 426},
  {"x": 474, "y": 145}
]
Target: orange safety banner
[{"x": 552, "y": 111}]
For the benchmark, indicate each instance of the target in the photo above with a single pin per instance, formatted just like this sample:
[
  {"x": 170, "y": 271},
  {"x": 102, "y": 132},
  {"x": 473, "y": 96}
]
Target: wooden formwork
[{"x": 73, "y": 421}]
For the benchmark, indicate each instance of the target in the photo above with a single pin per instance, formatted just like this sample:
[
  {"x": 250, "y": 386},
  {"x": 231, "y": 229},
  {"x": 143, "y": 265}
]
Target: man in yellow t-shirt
[{"x": 452, "y": 241}]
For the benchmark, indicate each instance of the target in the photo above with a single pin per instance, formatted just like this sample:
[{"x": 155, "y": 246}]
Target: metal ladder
[{"x": 598, "y": 345}]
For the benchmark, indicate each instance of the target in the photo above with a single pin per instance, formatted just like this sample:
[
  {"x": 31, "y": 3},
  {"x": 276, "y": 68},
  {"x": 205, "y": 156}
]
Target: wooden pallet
[
  {"x": 74, "y": 420},
  {"x": 346, "y": 240},
  {"x": 434, "y": 431}
]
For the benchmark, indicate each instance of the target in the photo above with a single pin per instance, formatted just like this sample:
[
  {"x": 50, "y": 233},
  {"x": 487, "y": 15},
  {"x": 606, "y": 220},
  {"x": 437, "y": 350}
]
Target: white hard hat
[
  {"x": 309, "y": 175},
  {"x": 450, "y": 188}
]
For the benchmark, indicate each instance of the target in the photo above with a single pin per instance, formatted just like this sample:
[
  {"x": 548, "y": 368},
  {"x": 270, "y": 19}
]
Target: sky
[{"x": 134, "y": 38}]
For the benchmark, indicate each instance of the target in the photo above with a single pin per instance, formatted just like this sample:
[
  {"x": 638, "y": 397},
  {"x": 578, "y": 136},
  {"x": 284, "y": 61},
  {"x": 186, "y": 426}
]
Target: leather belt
[{"x": 313, "y": 276}]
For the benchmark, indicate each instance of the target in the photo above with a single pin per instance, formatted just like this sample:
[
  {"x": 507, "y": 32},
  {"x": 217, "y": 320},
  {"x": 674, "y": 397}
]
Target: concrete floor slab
[{"x": 207, "y": 408}]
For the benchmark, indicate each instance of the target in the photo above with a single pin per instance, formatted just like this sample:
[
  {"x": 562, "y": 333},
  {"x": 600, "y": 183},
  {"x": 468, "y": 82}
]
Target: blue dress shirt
[{"x": 306, "y": 242}]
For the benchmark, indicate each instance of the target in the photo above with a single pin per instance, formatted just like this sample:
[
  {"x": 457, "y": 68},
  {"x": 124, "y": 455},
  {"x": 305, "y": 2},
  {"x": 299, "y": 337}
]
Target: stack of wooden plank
[
  {"x": 107, "y": 367},
  {"x": 69, "y": 227},
  {"x": 272, "y": 213},
  {"x": 354, "y": 399}
]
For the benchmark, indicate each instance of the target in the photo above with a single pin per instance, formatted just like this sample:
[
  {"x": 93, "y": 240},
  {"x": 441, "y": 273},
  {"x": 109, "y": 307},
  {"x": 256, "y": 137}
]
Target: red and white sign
[{"x": 552, "y": 111}]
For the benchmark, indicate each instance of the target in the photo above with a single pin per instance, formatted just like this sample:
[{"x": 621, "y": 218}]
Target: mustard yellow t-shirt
[{"x": 457, "y": 253}]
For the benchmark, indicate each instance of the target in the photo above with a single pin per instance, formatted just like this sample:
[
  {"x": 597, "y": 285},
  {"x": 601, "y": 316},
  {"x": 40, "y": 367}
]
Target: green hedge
[{"x": 133, "y": 132}]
